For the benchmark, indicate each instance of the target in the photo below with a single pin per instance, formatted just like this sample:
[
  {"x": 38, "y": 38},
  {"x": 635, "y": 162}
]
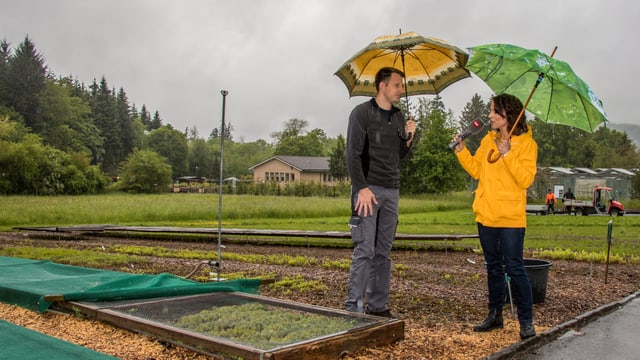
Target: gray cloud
[{"x": 277, "y": 57}]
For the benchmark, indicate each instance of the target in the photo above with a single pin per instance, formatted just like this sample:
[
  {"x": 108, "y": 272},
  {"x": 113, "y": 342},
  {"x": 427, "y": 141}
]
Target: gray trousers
[{"x": 372, "y": 236}]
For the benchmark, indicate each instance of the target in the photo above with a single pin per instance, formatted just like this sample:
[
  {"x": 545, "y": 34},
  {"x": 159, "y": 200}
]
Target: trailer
[
  {"x": 602, "y": 202},
  {"x": 538, "y": 209}
]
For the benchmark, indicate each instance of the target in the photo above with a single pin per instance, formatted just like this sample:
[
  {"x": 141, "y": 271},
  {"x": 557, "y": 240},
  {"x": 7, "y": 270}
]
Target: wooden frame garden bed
[{"x": 214, "y": 324}]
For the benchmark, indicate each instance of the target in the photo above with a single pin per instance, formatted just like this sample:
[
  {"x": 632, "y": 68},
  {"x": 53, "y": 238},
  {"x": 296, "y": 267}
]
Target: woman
[{"x": 505, "y": 166}]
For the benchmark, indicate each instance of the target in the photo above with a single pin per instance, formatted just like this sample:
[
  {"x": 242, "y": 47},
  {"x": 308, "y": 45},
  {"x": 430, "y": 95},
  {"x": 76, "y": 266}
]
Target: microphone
[{"x": 475, "y": 126}]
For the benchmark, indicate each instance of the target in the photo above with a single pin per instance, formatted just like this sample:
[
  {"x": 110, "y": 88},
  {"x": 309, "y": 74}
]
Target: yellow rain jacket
[{"x": 501, "y": 196}]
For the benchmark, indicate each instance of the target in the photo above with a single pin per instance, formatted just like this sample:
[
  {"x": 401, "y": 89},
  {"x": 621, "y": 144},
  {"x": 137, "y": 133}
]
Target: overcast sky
[{"x": 277, "y": 57}]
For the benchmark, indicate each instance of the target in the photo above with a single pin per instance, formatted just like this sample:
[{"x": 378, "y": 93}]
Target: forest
[{"x": 59, "y": 135}]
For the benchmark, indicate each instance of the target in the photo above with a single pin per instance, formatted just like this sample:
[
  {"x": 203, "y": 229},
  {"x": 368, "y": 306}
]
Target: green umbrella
[{"x": 561, "y": 97}]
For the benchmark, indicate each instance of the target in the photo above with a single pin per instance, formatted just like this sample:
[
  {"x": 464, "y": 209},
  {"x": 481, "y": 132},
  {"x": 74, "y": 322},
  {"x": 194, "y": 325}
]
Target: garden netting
[
  {"x": 18, "y": 342},
  {"x": 26, "y": 283}
]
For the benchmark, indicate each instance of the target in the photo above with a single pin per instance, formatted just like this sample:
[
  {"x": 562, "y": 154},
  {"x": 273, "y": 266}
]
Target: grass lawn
[{"x": 577, "y": 237}]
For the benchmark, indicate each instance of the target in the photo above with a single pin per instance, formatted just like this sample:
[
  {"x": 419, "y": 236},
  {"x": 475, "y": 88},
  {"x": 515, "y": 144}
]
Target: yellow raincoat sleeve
[{"x": 501, "y": 196}]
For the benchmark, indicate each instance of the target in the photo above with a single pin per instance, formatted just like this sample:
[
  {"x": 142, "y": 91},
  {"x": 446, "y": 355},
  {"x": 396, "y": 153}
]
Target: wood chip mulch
[{"x": 440, "y": 295}]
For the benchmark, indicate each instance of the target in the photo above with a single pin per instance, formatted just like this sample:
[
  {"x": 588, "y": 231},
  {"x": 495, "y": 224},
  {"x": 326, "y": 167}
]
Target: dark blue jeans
[{"x": 503, "y": 251}]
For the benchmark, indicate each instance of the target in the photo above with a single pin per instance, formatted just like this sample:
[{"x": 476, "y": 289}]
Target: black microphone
[{"x": 475, "y": 126}]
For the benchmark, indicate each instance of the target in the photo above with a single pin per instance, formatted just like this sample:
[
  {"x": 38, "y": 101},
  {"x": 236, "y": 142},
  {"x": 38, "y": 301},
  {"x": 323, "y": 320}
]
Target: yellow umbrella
[{"x": 429, "y": 64}]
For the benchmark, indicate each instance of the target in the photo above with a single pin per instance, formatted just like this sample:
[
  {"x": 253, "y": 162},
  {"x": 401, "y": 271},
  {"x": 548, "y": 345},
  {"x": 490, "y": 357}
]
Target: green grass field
[{"x": 576, "y": 237}]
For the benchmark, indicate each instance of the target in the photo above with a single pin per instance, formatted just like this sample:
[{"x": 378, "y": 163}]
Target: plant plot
[
  {"x": 246, "y": 325},
  {"x": 263, "y": 326}
]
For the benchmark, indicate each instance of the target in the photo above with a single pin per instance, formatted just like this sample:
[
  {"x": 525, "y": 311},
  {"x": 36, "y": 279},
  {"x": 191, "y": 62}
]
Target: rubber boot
[{"x": 493, "y": 321}]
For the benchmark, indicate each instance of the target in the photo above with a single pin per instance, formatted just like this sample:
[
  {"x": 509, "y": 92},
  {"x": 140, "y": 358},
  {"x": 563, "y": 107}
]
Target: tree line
[{"x": 59, "y": 136}]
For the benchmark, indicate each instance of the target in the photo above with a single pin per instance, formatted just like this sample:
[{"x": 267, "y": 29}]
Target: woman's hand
[
  {"x": 504, "y": 145},
  {"x": 460, "y": 146}
]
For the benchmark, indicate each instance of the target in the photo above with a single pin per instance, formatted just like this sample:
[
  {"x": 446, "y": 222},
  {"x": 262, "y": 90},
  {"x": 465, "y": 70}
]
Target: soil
[{"x": 440, "y": 296}]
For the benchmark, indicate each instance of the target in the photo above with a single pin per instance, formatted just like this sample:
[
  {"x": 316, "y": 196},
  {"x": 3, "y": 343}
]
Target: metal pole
[
  {"x": 609, "y": 235},
  {"x": 224, "y": 101},
  {"x": 507, "y": 279}
]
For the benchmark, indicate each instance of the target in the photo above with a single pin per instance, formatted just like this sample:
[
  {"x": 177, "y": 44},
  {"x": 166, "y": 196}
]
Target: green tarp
[
  {"x": 25, "y": 283},
  {"x": 17, "y": 342}
]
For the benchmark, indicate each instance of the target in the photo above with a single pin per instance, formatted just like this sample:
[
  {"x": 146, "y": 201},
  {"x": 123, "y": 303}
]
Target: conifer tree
[
  {"x": 129, "y": 137},
  {"x": 104, "y": 109},
  {"x": 24, "y": 81},
  {"x": 156, "y": 122},
  {"x": 5, "y": 54},
  {"x": 145, "y": 117},
  {"x": 338, "y": 160}
]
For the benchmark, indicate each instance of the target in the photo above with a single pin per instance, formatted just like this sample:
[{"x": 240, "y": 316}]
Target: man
[
  {"x": 377, "y": 139},
  {"x": 569, "y": 195},
  {"x": 550, "y": 201}
]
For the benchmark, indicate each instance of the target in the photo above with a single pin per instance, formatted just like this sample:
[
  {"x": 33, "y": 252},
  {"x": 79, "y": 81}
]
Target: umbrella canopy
[
  {"x": 561, "y": 97},
  {"x": 429, "y": 64}
]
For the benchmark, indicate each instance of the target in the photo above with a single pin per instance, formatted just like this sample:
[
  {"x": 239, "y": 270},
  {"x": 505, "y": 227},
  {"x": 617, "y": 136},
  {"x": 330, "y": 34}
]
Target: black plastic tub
[{"x": 538, "y": 271}]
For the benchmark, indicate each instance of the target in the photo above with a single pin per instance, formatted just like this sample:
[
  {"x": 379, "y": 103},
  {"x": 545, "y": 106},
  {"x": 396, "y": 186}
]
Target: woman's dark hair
[
  {"x": 384, "y": 74},
  {"x": 509, "y": 107}
]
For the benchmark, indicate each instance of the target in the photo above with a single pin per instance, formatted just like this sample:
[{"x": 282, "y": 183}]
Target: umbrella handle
[
  {"x": 403, "y": 137},
  {"x": 490, "y": 157}
]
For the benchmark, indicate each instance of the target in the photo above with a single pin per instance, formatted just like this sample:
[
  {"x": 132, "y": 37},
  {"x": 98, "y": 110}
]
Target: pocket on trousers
[{"x": 357, "y": 233}]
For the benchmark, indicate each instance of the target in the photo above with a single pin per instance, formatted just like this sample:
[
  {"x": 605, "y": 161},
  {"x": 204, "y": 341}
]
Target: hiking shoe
[{"x": 527, "y": 330}]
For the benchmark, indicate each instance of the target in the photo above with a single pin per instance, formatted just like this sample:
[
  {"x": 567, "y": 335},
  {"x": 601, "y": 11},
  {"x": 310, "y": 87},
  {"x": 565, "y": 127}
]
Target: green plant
[
  {"x": 400, "y": 269},
  {"x": 582, "y": 255},
  {"x": 297, "y": 283},
  {"x": 262, "y": 326},
  {"x": 340, "y": 264},
  {"x": 71, "y": 256}
]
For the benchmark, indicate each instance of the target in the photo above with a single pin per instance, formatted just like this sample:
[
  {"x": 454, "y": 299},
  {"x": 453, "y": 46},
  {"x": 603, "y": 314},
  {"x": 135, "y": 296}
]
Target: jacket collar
[
  {"x": 375, "y": 106},
  {"x": 529, "y": 133}
]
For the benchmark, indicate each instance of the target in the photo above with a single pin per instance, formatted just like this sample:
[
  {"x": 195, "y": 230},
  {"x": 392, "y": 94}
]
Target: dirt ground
[{"x": 440, "y": 295}]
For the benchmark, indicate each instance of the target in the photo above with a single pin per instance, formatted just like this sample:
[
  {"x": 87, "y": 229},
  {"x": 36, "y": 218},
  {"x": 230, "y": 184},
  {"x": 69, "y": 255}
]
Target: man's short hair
[{"x": 385, "y": 73}]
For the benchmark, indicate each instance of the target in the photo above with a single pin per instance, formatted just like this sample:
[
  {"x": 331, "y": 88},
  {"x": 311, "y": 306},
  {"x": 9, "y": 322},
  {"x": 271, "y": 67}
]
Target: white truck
[{"x": 603, "y": 202}]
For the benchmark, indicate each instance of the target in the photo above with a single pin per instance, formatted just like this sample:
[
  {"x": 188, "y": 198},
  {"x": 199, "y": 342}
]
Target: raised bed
[{"x": 238, "y": 325}]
